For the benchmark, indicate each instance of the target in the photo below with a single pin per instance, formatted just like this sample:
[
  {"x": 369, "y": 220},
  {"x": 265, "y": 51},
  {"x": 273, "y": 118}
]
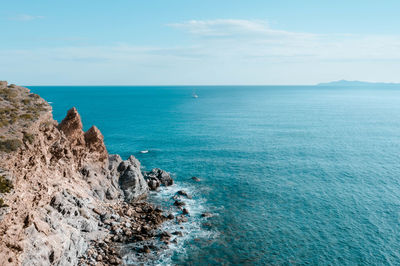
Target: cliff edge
[{"x": 61, "y": 193}]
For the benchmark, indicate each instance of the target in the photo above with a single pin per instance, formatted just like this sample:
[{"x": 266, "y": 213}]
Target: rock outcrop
[
  {"x": 72, "y": 127},
  {"x": 3, "y": 84},
  {"x": 157, "y": 177},
  {"x": 64, "y": 185},
  {"x": 131, "y": 180},
  {"x": 95, "y": 143}
]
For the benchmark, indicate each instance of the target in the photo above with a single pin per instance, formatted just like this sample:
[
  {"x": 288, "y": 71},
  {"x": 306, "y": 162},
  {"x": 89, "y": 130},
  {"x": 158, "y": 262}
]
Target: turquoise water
[{"x": 297, "y": 175}]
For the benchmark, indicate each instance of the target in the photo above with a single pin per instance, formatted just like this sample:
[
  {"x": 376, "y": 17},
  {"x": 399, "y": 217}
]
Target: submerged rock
[
  {"x": 178, "y": 233},
  {"x": 182, "y": 219},
  {"x": 195, "y": 178},
  {"x": 179, "y": 203},
  {"x": 206, "y": 215},
  {"x": 184, "y": 193}
]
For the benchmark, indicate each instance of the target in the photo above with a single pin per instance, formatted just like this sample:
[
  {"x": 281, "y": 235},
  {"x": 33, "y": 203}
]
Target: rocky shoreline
[
  {"x": 64, "y": 199},
  {"x": 126, "y": 223},
  {"x": 129, "y": 222}
]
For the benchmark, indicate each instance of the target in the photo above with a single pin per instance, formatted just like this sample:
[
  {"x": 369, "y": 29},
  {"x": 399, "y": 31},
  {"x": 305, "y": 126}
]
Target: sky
[{"x": 207, "y": 42}]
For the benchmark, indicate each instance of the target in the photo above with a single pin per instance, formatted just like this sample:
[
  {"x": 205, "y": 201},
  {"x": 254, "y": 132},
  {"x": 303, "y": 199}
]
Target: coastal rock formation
[
  {"x": 3, "y": 84},
  {"x": 131, "y": 180},
  {"x": 72, "y": 127},
  {"x": 157, "y": 177},
  {"x": 61, "y": 190},
  {"x": 95, "y": 144}
]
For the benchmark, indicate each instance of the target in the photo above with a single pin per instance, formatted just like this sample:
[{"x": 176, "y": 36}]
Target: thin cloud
[
  {"x": 253, "y": 39},
  {"x": 25, "y": 17},
  {"x": 235, "y": 28},
  {"x": 217, "y": 52}
]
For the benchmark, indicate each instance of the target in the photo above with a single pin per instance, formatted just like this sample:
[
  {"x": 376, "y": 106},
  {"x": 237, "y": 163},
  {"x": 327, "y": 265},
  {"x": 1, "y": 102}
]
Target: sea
[{"x": 293, "y": 175}]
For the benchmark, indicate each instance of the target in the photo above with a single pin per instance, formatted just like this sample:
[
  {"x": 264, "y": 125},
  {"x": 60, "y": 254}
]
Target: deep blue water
[{"x": 297, "y": 175}]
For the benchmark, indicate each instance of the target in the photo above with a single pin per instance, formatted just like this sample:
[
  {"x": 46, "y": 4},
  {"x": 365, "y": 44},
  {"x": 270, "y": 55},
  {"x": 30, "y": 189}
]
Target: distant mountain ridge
[{"x": 356, "y": 83}]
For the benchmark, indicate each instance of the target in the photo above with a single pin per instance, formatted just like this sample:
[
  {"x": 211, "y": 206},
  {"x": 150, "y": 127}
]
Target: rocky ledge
[{"x": 63, "y": 199}]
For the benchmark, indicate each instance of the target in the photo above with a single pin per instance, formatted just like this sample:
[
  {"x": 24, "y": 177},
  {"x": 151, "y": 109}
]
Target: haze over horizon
[
  {"x": 198, "y": 43},
  {"x": 330, "y": 83}
]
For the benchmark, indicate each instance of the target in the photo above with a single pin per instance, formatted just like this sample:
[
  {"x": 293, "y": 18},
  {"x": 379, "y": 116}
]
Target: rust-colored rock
[
  {"x": 65, "y": 189},
  {"x": 95, "y": 143},
  {"x": 72, "y": 127}
]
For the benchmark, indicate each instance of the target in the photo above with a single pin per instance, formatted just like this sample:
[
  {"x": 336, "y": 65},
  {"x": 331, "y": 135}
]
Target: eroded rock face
[
  {"x": 63, "y": 217},
  {"x": 64, "y": 175},
  {"x": 72, "y": 127},
  {"x": 131, "y": 180},
  {"x": 114, "y": 160},
  {"x": 95, "y": 143}
]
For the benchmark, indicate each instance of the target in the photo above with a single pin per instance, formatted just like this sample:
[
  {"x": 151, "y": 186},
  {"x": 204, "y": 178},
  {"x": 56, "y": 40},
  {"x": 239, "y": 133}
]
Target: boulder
[
  {"x": 157, "y": 177},
  {"x": 179, "y": 203},
  {"x": 181, "y": 219},
  {"x": 184, "y": 193},
  {"x": 153, "y": 184},
  {"x": 178, "y": 233},
  {"x": 166, "y": 234}
]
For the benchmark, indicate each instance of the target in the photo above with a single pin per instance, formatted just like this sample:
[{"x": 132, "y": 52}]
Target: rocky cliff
[{"x": 61, "y": 193}]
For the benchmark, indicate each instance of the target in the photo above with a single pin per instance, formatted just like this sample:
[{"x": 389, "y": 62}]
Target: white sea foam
[{"x": 192, "y": 229}]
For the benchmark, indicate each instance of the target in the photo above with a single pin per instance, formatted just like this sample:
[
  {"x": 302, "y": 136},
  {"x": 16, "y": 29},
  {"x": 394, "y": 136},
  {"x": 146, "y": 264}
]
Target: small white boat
[
  {"x": 145, "y": 151},
  {"x": 195, "y": 95}
]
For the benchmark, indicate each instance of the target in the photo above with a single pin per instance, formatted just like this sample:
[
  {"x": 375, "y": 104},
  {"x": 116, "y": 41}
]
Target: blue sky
[{"x": 198, "y": 42}]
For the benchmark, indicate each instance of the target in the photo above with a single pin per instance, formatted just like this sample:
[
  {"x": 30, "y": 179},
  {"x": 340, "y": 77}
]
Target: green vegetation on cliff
[
  {"x": 5, "y": 187},
  {"x": 18, "y": 104},
  {"x": 19, "y": 108},
  {"x": 10, "y": 145}
]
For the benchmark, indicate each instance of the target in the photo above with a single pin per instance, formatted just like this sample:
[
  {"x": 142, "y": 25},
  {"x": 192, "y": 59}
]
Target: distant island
[{"x": 356, "y": 83}]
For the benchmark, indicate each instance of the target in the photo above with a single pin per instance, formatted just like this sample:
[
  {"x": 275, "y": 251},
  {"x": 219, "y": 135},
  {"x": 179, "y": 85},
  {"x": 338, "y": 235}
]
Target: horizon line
[
  {"x": 173, "y": 85},
  {"x": 217, "y": 85}
]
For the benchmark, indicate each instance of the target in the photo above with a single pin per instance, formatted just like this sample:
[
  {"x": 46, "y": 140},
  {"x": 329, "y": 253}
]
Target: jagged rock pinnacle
[
  {"x": 95, "y": 142},
  {"x": 72, "y": 127}
]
